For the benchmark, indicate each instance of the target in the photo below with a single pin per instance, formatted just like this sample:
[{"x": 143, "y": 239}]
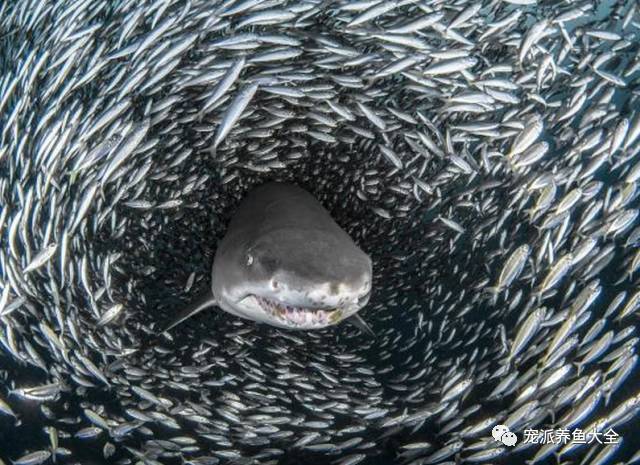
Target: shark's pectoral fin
[
  {"x": 205, "y": 300},
  {"x": 357, "y": 321}
]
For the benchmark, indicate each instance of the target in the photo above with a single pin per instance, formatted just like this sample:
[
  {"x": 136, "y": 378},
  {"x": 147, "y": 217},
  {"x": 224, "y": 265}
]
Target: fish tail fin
[
  {"x": 205, "y": 300},
  {"x": 581, "y": 235},
  {"x": 539, "y": 370},
  {"x": 538, "y": 227},
  {"x": 578, "y": 366}
]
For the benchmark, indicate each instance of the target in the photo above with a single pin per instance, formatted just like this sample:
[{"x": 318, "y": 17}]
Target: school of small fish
[{"x": 485, "y": 153}]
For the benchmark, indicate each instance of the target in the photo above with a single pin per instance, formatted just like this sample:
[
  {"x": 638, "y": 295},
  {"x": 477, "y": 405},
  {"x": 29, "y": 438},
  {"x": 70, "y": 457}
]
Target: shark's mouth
[{"x": 300, "y": 316}]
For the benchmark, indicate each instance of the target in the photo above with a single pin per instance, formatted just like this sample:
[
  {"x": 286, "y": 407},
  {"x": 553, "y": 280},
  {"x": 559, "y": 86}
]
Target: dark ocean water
[{"x": 31, "y": 435}]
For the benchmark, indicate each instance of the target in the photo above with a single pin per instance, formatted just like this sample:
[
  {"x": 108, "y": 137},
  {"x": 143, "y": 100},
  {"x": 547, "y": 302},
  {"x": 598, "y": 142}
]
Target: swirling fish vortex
[{"x": 485, "y": 153}]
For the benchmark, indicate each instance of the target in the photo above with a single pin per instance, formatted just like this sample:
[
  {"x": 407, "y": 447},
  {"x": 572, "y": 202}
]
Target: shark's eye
[{"x": 249, "y": 259}]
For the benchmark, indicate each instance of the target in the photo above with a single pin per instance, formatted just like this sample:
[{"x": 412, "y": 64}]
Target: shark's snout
[{"x": 316, "y": 294}]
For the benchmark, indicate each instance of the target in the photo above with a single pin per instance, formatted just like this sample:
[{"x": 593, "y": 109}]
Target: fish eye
[{"x": 249, "y": 259}]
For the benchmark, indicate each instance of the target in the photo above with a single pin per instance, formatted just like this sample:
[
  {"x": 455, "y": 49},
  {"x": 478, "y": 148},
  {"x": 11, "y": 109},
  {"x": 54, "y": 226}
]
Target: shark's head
[{"x": 294, "y": 278}]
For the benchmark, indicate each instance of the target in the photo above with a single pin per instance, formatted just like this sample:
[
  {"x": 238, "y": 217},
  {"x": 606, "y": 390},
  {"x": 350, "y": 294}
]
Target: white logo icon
[
  {"x": 509, "y": 439},
  {"x": 501, "y": 433}
]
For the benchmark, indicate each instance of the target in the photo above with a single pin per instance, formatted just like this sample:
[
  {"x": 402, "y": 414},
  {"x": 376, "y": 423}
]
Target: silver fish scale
[{"x": 130, "y": 131}]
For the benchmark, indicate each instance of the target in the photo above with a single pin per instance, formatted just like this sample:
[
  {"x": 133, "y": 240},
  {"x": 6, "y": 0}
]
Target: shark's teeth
[{"x": 298, "y": 316}]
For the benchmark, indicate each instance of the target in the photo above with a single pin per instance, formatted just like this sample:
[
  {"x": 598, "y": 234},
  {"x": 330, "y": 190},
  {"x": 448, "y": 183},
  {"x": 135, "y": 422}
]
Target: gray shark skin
[{"x": 285, "y": 262}]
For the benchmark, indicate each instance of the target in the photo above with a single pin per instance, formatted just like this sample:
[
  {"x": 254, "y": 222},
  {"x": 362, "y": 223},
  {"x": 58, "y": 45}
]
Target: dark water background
[{"x": 31, "y": 436}]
